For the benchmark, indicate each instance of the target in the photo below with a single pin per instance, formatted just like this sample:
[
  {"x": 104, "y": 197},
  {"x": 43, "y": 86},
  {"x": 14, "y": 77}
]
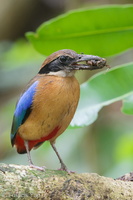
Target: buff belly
[{"x": 54, "y": 105}]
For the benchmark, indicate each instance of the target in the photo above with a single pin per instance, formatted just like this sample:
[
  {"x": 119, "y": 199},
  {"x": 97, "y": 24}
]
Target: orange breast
[{"x": 54, "y": 105}]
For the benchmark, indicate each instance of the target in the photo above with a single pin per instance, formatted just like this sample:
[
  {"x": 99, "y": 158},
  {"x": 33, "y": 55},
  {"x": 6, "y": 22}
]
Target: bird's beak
[{"x": 88, "y": 62}]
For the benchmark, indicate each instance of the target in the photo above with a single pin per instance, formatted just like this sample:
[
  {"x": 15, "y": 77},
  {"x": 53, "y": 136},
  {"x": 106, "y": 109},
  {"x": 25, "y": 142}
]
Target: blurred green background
[{"x": 106, "y": 146}]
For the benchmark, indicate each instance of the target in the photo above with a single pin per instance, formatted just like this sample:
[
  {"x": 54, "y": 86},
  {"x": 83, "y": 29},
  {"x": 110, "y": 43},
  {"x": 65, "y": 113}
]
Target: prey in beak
[{"x": 88, "y": 62}]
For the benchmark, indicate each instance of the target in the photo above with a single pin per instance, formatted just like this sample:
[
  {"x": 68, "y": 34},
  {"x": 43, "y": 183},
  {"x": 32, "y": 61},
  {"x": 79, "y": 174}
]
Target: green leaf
[
  {"x": 127, "y": 106},
  {"x": 102, "y": 31},
  {"x": 101, "y": 90}
]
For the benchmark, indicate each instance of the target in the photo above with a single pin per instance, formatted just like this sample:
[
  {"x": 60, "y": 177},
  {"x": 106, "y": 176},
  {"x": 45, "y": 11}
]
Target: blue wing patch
[{"x": 23, "y": 108}]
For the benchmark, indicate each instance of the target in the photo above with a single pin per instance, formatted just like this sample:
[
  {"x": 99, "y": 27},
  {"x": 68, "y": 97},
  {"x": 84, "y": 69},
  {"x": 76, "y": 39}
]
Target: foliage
[
  {"x": 104, "y": 89},
  {"x": 104, "y": 31}
]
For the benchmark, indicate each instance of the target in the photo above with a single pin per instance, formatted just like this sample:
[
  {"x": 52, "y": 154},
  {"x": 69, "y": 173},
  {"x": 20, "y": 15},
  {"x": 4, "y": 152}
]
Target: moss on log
[{"x": 22, "y": 182}]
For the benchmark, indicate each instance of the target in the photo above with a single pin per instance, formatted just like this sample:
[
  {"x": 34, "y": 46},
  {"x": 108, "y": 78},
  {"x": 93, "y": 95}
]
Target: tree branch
[{"x": 22, "y": 182}]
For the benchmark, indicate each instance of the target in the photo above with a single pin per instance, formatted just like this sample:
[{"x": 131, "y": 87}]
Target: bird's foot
[
  {"x": 64, "y": 168},
  {"x": 37, "y": 167}
]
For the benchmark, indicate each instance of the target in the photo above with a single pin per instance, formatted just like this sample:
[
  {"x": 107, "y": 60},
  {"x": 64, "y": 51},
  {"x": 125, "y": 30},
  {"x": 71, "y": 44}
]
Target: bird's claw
[{"x": 64, "y": 168}]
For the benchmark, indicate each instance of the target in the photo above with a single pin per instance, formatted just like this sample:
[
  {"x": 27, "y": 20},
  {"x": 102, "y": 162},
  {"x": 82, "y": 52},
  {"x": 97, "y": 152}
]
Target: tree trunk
[{"x": 22, "y": 182}]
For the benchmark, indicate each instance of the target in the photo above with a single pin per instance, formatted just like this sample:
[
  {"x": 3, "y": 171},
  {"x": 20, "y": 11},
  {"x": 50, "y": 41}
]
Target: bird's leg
[
  {"x": 29, "y": 158},
  {"x": 28, "y": 152},
  {"x": 63, "y": 166}
]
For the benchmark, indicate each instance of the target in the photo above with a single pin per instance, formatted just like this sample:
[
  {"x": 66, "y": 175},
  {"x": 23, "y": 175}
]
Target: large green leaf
[
  {"x": 101, "y": 90},
  {"x": 103, "y": 31}
]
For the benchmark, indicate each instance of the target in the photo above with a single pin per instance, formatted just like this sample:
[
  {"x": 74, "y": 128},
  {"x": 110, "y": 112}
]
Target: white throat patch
[{"x": 63, "y": 73}]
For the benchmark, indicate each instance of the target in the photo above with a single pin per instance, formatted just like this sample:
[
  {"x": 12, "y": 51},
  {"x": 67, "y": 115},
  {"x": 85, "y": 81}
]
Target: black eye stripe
[
  {"x": 63, "y": 59},
  {"x": 57, "y": 64}
]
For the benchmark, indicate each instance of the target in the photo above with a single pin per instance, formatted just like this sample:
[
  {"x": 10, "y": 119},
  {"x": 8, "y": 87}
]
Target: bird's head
[{"x": 65, "y": 63}]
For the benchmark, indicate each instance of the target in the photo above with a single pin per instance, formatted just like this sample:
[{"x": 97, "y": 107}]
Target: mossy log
[{"x": 22, "y": 182}]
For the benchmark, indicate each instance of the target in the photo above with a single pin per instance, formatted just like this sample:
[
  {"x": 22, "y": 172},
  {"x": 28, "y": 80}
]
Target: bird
[{"x": 49, "y": 101}]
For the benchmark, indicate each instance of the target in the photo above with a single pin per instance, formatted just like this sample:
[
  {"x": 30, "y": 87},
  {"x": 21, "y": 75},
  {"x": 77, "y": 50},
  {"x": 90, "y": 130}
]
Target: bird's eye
[{"x": 63, "y": 59}]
